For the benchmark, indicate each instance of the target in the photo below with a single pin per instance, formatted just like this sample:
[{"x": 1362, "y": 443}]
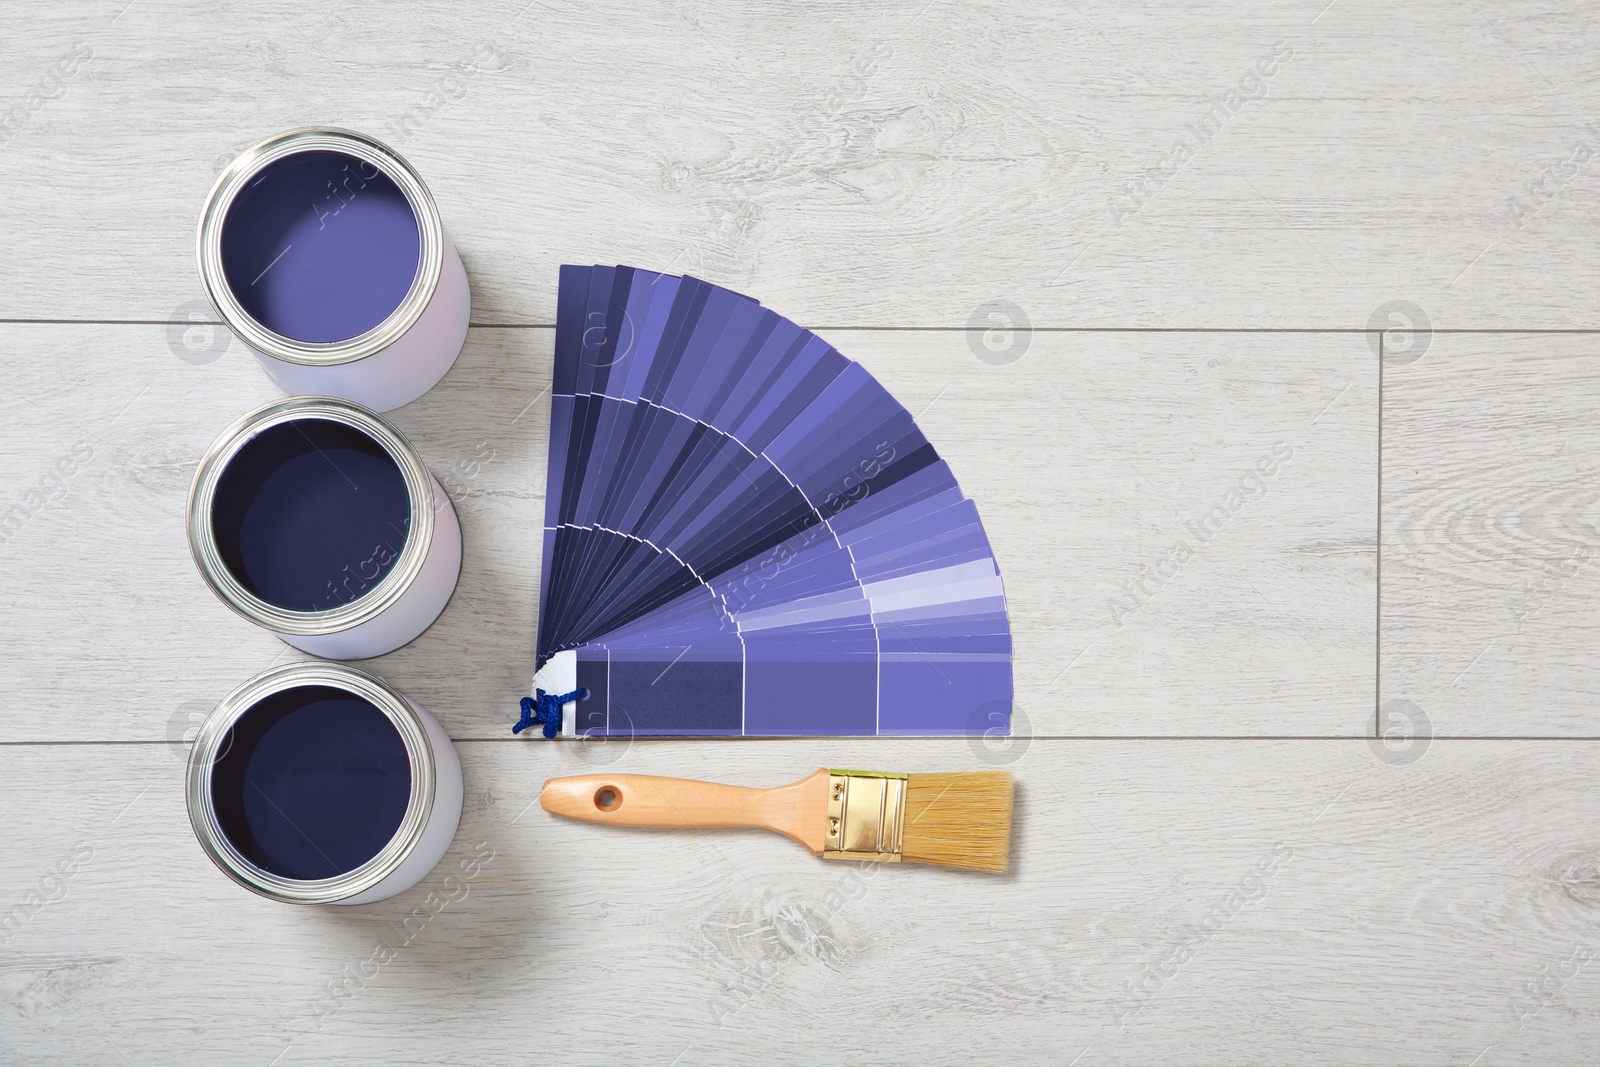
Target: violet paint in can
[
  {"x": 315, "y": 518},
  {"x": 324, "y": 252},
  {"x": 316, "y": 783}
]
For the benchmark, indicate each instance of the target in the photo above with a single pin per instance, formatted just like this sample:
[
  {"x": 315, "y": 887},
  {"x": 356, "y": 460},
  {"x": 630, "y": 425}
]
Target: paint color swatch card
[{"x": 746, "y": 534}]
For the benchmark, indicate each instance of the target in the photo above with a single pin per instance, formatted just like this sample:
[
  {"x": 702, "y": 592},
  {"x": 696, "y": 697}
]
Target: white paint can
[
  {"x": 324, "y": 252},
  {"x": 315, "y": 518},
  {"x": 316, "y": 783}
]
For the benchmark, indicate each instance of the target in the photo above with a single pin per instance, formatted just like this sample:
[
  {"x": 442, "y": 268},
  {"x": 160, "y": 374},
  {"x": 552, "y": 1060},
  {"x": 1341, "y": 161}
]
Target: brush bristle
[{"x": 958, "y": 820}]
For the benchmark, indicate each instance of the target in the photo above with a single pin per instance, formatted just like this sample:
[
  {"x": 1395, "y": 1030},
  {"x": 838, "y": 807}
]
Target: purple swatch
[{"x": 745, "y": 534}]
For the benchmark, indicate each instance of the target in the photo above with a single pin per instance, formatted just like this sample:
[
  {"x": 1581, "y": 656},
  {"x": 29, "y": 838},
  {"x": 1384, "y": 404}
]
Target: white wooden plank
[
  {"x": 898, "y": 166},
  {"x": 1097, "y": 461},
  {"x": 1158, "y": 584},
  {"x": 1491, "y": 463},
  {"x": 1384, "y": 913}
]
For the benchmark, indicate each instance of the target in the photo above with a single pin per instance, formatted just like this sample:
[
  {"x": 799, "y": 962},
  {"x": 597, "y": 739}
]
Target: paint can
[
  {"x": 315, "y": 518},
  {"x": 324, "y": 252},
  {"x": 316, "y": 783}
]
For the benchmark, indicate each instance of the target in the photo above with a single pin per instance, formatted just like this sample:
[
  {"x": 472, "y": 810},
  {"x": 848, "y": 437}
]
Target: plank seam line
[
  {"x": 1377, "y": 576},
  {"x": 1363, "y": 738},
  {"x": 1332, "y": 330}
]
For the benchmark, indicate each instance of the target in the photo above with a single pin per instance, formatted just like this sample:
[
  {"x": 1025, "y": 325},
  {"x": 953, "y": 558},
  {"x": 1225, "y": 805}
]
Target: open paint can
[
  {"x": 316, "y": 783},
  {"x": 314, "y": 518},
  {"x": 323, "y": 251}
]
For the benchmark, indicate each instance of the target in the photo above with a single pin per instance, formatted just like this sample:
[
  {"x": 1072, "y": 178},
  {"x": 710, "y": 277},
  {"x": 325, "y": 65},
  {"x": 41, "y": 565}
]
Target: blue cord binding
[{"x": 546, "y": 710}]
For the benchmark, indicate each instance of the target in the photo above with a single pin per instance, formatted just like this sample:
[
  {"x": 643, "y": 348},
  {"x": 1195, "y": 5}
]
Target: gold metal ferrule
[{"x": 865, "y": 812}]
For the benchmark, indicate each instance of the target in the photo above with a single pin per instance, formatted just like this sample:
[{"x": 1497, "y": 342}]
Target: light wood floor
[{"x": 1107, "y": 294}]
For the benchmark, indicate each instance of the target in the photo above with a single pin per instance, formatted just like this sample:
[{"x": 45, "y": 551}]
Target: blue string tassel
[{"x": 545, "y": 710}]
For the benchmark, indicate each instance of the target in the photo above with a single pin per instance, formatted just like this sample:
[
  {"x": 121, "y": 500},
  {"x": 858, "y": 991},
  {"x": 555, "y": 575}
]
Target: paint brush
[{"x": 954, "y": 820}]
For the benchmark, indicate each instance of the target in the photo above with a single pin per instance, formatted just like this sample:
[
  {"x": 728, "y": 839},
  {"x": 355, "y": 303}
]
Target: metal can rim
[
  {"x": 250, "y": 162},
  {"x": 419, "y": 750},
  {"x": 280, "y": 620}
]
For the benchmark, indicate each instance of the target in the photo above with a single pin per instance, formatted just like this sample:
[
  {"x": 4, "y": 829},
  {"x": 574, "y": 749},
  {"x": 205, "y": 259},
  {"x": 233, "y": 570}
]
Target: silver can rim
[
  {"x": 250, "y": 162},
  {"x": 203, "y": 815},
  {"x": 208, "y": 556}
]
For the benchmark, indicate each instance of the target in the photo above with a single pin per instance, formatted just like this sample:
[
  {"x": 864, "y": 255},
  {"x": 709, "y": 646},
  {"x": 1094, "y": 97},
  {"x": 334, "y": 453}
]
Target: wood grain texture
[
  {"x": 1170, "y": 902},
  {"x": 901, "y": 165},
  {"x": 1491, "y": 497},
  {"x": 1000, "y": 176},
  {"x": 1157, "y": 583}
]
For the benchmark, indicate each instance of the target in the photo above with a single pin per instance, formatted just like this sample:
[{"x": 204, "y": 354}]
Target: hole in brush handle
[{"x": 607, "y": 798}]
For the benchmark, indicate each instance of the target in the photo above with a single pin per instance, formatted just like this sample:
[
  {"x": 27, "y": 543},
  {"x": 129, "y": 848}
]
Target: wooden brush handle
[
  {"x": 645, "y": 800},
  {"x": 798, "y": 810}
]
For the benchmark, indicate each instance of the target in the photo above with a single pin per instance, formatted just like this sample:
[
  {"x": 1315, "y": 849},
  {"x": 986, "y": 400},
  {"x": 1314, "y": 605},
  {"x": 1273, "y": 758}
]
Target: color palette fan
[{"x": 745, "y": 534}]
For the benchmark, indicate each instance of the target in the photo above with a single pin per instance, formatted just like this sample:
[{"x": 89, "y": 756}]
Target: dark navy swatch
[
  {"x": 312, "y": 783},
  {"x": 320, "y": 247},
  {"x": 311, "y": 514}
]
